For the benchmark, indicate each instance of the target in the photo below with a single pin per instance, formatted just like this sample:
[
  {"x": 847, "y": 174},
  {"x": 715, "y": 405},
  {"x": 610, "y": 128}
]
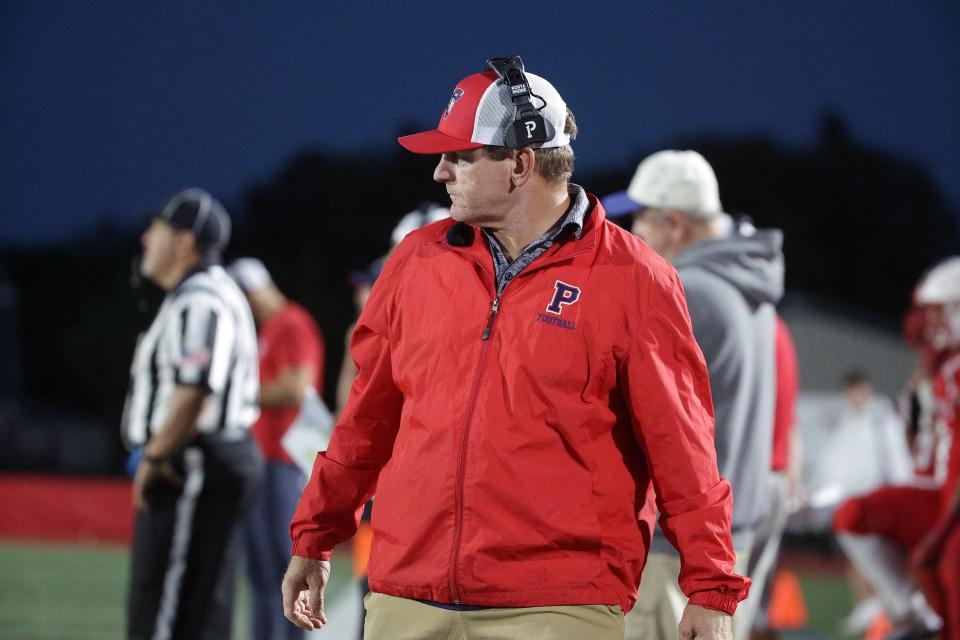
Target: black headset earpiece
[{"x": 528, "y": 126}]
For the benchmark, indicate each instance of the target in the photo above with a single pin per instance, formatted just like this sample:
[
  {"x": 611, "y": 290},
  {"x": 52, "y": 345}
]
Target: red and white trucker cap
[{"x": 480, "y": 111}]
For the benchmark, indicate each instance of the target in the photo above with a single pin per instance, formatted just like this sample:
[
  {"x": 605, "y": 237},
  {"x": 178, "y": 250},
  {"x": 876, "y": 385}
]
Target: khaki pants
[
  {"x": 660, "y": 602},
  {"x": 393, "y": 618}
]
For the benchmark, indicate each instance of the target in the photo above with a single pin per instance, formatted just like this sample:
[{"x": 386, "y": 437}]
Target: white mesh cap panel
[
  {"x": 495, "y": 112},
  {"x": 493, "y": 115}
]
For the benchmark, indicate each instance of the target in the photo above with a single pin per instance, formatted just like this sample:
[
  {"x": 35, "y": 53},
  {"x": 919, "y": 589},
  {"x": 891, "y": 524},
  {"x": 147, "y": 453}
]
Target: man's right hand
[
  {"x": 302, "y": 590},
  {"x": 705, "y": 624},
  {"x": 148, "y": 473}
]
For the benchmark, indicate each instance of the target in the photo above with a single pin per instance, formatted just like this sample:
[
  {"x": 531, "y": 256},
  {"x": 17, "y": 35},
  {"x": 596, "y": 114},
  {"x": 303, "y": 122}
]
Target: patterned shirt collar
[
  {"x": 579, "y": 205},
  {"x": 571, "y": 223}
]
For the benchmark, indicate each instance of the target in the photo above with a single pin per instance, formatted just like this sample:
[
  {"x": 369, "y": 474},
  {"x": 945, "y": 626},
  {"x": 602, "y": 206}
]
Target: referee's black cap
[{"x": 197, "y": 211}]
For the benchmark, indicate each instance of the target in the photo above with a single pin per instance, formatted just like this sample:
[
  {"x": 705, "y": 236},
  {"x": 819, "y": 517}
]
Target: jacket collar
[{"x": 466, "y": 239}]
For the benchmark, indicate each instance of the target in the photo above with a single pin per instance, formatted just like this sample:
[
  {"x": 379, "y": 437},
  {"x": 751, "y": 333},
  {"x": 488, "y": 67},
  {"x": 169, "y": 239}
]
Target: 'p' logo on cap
[{"x": 457, "y": 94}]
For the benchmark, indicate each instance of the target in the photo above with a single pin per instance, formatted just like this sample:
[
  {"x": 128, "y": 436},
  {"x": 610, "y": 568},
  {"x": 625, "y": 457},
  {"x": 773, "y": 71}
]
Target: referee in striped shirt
[{"x": 192, "y": 400}]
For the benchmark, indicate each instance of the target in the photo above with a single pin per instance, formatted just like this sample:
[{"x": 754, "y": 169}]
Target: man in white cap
[
  {"x": 527, "y": 374},
  {"x": 733, "y": 277},
  {"x": 291, "y": 367}
]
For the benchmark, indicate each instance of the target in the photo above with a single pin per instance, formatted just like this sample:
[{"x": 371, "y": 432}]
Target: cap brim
[
  {"x": 620, "y": 204},
  {"x": 431, "y": 142}
]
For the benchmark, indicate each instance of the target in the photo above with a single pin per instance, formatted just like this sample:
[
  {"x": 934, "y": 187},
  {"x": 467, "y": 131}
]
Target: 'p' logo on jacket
[{"x": 563, "y": 293}]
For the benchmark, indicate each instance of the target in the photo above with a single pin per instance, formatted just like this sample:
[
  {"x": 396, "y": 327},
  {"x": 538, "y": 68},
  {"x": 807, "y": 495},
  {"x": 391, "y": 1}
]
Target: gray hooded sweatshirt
[{"x": 732, "y": 285}]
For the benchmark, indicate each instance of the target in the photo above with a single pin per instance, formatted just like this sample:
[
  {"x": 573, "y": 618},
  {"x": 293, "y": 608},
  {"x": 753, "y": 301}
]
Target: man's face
[
  {"x": 938, "y": 331},
  {"x": 858, "y": 395},
  {"x": 159, "y": 249},
  {"x": 478, "y": 186},
  {"x": 654, "y": 228}
]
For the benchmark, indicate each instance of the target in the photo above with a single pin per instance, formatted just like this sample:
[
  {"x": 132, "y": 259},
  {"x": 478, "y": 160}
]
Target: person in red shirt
[
  {"x": 291, "y": 367},
  {"x": 785, "y": 466},
  {"x": 529, "y": 394}
]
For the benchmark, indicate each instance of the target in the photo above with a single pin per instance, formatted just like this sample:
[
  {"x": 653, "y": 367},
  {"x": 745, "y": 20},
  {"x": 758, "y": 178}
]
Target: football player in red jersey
[
  {"x": 936, "y": 559},
  {"x": 920, "y": 519}
]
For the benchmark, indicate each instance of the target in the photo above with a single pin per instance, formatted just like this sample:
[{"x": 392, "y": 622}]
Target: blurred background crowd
[{"x": 835, "y": 124}]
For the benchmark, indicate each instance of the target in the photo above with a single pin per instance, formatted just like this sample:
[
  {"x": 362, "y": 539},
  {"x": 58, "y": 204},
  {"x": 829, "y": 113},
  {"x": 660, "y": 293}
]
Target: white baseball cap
[
  {"x": 249, "y": 273},
  {"x": 479, "y": 112},
  {"x": 681, "y": 180}
]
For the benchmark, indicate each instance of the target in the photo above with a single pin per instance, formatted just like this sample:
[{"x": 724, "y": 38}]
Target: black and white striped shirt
[{"x": 203, "y": 336}]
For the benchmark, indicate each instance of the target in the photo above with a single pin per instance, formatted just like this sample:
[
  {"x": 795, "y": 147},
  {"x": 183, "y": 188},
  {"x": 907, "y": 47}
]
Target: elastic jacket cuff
[
  {"x": 304, "y": 550},
  {"x": 715, "y": 600}
]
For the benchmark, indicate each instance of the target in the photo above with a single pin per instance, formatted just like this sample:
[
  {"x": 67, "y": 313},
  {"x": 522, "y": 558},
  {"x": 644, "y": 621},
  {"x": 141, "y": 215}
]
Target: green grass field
[
  {"x": 52, "y": 592},
  {"x": 74, "y": 592},
  {"x": 828, "y": 601}
]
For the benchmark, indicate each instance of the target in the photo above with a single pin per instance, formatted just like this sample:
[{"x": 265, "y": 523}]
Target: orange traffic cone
[
  {"x": 787, "y": 608},
  {"x": 879, "y": 627},
  {"x": 361, "y": 549}
]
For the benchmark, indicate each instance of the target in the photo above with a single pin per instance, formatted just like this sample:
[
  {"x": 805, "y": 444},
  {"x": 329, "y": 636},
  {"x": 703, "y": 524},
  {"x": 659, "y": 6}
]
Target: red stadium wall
[{"x": 47, "y": 508}]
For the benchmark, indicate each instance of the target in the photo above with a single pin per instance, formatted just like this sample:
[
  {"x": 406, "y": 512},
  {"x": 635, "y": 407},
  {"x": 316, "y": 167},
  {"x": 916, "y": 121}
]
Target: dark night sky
[{"x": 109, "y": 107}]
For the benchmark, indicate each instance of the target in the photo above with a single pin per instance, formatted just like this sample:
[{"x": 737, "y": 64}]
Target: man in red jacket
[{"x": 527, "y": 376}]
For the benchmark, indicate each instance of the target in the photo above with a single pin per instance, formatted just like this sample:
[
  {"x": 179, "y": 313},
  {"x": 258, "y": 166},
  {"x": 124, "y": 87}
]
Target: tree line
[{"x": 860, "y": 226}]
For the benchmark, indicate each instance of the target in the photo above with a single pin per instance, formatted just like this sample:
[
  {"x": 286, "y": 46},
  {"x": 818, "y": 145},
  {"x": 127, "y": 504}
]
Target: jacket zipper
[
  {"x": 494, "y": 308},
  {"x": 462, "y": 453}
]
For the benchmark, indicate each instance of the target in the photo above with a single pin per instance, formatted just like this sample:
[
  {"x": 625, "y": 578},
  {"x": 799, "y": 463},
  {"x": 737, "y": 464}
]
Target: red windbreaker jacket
[{"x": 514, "y": 445}]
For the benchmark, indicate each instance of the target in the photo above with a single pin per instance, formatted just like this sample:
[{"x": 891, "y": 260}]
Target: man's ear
[
  {"x": 186, "y": 244},
  {"x": 524, "y": 166}
]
